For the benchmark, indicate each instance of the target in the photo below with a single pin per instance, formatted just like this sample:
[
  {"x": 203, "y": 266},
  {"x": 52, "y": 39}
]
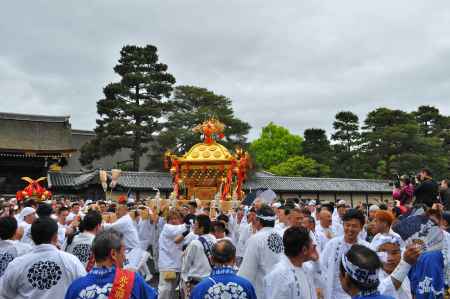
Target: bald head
[
  {"x": 325, "y": 218},
  {"x": 223, "y": 253}
]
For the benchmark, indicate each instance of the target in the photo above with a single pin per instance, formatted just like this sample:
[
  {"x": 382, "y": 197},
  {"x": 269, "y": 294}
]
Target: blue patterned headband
[
  {"x": 385, "y": 239},
  {"x": 360, "y": 275}
]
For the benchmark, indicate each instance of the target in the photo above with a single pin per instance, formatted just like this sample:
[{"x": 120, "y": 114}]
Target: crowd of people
[{"x": 271, "y": 250}]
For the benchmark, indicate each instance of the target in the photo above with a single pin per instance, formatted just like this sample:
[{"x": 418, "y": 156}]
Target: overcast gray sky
[{"x": 296, "y": 63}]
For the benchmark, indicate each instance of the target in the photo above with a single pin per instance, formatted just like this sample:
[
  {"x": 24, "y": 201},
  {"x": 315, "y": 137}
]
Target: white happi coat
[
  {"x": 26, "y": 238},
  {"x": 245, "y": 232},
  {"x": 81, "y": 247},
  {"x": 126, "y": 226},
  {"x": 387, "y": 287},
  {"x": 195, "y": 263},
  {"x": 264, "y": 250},
  {"x": 9, "y": 250},
  {"x": 287, "y": 281},
  {"x": 45, "y": 272},
  {"x": 330, "y": 261},
  {"x": 170, "y": 252}
]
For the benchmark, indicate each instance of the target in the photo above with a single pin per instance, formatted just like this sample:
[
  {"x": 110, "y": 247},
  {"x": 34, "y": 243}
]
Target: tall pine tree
[{"x": 131, "y": 109}]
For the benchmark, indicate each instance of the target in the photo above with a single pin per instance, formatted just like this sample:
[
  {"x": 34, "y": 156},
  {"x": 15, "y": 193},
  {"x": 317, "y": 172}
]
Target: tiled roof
[
  {"x": 34, "y": 117},
  {"x": 280, "y": 183},
  {"x": 163, "y": 181}
]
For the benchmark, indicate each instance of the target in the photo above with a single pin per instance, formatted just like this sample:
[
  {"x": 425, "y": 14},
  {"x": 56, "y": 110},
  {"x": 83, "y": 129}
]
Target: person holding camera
[
  {"x": 403, "y": 193},
  {"x": 426, "y": 192}
]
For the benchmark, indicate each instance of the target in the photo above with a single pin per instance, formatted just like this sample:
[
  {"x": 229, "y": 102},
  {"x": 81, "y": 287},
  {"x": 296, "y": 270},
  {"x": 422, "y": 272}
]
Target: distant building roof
[
  {"x": 163, "y": 181},
  {"x": 21, "y": 133}
]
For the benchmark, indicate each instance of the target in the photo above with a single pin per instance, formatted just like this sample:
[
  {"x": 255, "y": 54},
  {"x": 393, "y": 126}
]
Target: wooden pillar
[
  {"x": 367, "y": 203},
  {"x": 351, "y": 198},
  {"x": 335, "y": 197},
  {"x": 382, "y": 197},
  {"x": 318, "y": 196}
]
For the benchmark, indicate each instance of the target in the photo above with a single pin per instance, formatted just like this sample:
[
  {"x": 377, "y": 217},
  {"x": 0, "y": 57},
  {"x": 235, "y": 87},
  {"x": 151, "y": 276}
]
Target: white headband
[
  {"x": 385, "y": 239},
  {"x": 266, "y": 218}
]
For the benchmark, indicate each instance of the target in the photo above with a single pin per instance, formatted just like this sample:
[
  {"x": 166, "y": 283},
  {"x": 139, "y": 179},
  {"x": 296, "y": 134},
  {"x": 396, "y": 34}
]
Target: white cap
[
  {"x": 373, "y": 208},
  {"x": 341, "y": 203},
  {"x": 276, "y": 205},
  {"x": 27, "y": 211},
  {"x": 312, "y": 202}
]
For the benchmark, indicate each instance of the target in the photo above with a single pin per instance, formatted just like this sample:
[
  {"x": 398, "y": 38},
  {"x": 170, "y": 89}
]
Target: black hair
[
  {"x": 218, "y": 226},
  {"x": 383, "y": 207},
  {"x": 62, "y": 209},
  {"x": 265, "y": 211},
  {"x": 104, "y": 242},
  {"x": 427, "y": 171},
  {"x": 204, "y": 222},
  {"x": 91, "y": 220},
  {"x": 8, "y": 227},
  {"x": 44, "y": 210},
  {"x": 223, "y": 252},
  {"x": 75, "y": 204},
  {"x": 354, "y": 214},
  {"x": 29, "y": 203},
  {"x": 223, "y": 217},
  {"x": 294, "y": 239},
  {"x": 364, "y": 258},
  {"x": 193, "y": 204},
  {"x": 43, "y": 230},
  {"x": 329, "y": 207}
]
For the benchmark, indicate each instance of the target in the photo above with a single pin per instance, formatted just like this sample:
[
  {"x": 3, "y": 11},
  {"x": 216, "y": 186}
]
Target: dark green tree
[
  {"x": 395, "y": 143},
  {"x": 317, "y": 146},
  {"x": 347, "y": 140},
  {"x": 191, "y": 106},
  {"x": 131, "y": 109}
]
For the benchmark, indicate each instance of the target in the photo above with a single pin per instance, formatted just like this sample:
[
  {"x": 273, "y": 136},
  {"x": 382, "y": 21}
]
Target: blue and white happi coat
[
  {"x": 97, "y": 284},
  {"x": 224, "y": 283}
]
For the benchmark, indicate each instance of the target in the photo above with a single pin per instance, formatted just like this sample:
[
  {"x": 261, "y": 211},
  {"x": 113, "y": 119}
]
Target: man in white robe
[
  {"x": 338, "y": 224},
  {"x": 290, "y": 279},
  {"x": 170, "y": 253},
  {"x": 264, "y": 250},
  {"x": 196, "y": 259},
  {"x": 81, "y": 244},
  {"x": 45, "y": 272},
  {"x": 382, "y": 222},
  {"x": 324, "y": 229},
  {"x": 10, "y": 249},
  {"x": 136, "y": 257},
  {"x": 27, "y": 216},
  {"x": 331, "y": 256},
  {"x": 246, "y": 230},
  {"x": 393, "y": 279}
]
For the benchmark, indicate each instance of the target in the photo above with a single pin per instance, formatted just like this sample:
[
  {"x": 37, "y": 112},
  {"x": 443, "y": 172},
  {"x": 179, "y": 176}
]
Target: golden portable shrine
[
  {"x": 34, "y": 190},
  {"x": 208, "y": 170}
]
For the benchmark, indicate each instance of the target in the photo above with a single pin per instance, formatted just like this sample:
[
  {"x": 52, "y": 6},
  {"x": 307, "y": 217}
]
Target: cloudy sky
[{"x": 292, "y": 62}]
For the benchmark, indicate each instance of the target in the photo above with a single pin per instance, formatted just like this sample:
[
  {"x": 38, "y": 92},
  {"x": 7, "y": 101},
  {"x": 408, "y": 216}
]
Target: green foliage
[
  {"x": 275, "y": 145},
  {"x": 317, "y": 146},
  {"x": 347, "y": 140},
  {"x": 130, "y": 111},
  {"x": 301, "y": 166},
  {"x": 395, "y": 142},
  {"x": 191, "y": 106}
]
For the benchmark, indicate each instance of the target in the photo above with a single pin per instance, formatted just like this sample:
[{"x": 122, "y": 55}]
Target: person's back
[
  {"x": 9, "y": 249},
  {"x": 223, "y": 281},
  {"x": 45, "y": 272},
  {"x": 427, "y": 191},
  {"x": 264, "y": 250},
  {"x": 108, "y": 248}
]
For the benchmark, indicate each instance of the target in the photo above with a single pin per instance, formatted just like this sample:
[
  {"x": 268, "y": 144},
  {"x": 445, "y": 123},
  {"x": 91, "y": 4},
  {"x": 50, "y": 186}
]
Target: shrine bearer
[
  {"x": 358, "y": 273},
  {"x": 393, "y": 274},
  {"x": 264, "y": 250},
  {"x": 45, "y": 272},
  {"x": 81, "y": 245},
  {"x": 107, "y": 279},
  {"x": 223, "y": 281},
  {"x": 136, "y": 257},
  {"x": 10, "y": 249},
  {"x": 353, "y": 223},
  {"x": 290, "y": 279}
]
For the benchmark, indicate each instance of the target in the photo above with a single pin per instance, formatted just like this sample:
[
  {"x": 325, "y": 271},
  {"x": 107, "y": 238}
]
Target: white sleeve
[
  {"x": 188, "y": 258},
  {"x": 250, "y": 261},
  {"x": 76, "y": 267},
  {"x": 275, "y": 287},
  {"x": 387, "y": 287}
]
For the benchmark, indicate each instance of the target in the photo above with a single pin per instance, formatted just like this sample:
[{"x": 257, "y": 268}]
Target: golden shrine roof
[{"x": 203, "y": 152}]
